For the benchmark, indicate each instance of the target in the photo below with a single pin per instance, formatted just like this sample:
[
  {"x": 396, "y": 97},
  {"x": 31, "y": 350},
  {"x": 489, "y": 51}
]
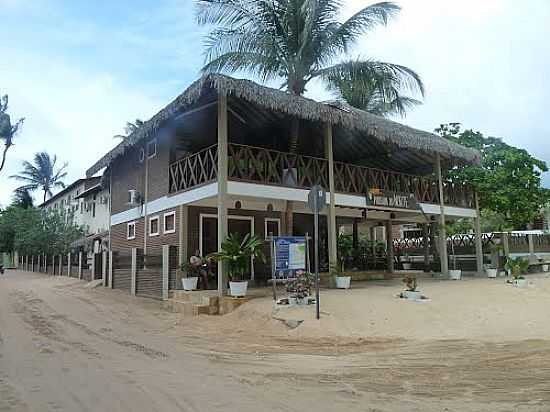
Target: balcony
[{"x": 270, "y": 167}]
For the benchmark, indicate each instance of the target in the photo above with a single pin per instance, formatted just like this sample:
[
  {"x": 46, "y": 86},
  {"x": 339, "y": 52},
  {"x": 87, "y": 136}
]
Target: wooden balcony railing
[
  {"x": 254, "y": 164},
  {"x": 271, "y": 167},
  {"x": 194, "y": 170}
]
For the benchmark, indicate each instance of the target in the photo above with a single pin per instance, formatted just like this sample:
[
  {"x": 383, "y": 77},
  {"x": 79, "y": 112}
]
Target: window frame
[
  {"x": 275, "y": 220},
  {"x": 149, "y": 143},
  {"x": 128, "y": 225},
  {"x": 151, "y": 219},
  {"x": 172, "y": 213}
]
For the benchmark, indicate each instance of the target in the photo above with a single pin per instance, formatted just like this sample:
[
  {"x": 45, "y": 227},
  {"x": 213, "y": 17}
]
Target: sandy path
[{"x": 67, "y": 348}]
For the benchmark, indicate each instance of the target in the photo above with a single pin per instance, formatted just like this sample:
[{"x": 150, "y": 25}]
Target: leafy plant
[
  {"x": 410, "y": 283},
  {"x": 517, "y": 267},
  {"x": 300, "y": 287},
  {"x": 7, "y": 129},
  {"x": 238, "y": 254},
  {"x": 345, "y": 250}
]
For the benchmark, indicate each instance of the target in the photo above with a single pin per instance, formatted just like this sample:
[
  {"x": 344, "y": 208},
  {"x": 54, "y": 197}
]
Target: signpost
[{"x": 317, "y": 201}]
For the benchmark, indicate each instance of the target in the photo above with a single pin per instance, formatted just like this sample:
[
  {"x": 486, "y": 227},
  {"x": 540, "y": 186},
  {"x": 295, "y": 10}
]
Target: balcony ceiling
[{"x": 263, "y": 112}]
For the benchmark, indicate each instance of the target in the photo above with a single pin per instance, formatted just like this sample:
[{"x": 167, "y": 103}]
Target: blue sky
[{"x": 78, "y": 70}]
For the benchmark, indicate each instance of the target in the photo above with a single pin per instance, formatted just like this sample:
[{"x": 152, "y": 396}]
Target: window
[
  {"x": 131, "y": 231},
  {"x": 272, "y": 227},
  {"x": 93, "y": 209},
  {"x": 154, "y": 226},
  {"x": 170, "y": 222},
  {"x": 152, "y": 148}
]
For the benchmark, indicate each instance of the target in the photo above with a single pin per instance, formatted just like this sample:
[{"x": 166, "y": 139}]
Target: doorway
[{"x": 208, "y": 232}]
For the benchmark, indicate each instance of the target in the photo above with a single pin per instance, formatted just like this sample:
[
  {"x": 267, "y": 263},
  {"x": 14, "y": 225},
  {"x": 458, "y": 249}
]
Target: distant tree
[
  {"x": 508, "y": 179},
  {"x": 7, "y": 129},
  {"x": 35, "y": 231},
  {"x": 42, "y": 174},
  {"x": 22, "y": 198},
  {"x": 129, "y": 129}
]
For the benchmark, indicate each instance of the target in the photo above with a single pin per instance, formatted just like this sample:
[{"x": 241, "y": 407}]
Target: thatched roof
[{"x": 367, "y": 124}]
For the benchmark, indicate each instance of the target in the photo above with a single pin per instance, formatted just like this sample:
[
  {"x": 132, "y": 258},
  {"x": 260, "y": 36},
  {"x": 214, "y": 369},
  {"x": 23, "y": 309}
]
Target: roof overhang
[{"x": 350, "y": 121}]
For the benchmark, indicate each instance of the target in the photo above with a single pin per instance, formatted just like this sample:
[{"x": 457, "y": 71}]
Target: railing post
[
  {"x": 134, "y": 272},
  {"x": 104, "y": 267},
  {"x": 80, "y": 265},
  {"x": 111, "y": 269},
  {"x": 165, "y": 270}
]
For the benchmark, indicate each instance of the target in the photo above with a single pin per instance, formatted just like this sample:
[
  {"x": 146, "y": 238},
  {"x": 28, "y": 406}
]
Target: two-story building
[
  {"x": 218, "y": 160},
  {"x": 86, "y": 202}
]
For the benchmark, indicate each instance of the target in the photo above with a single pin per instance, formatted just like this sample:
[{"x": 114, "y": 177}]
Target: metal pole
[{"x": 316, "y": 230}]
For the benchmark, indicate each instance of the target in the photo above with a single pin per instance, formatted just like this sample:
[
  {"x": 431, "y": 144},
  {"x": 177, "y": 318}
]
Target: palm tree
[
  {"x": 22, "y": 198},
  {"x": 42, "y": 174},
  {"x": 297, "y": 41},
  {"x": 381, "y": 95},
  {"x": 130, "y": 128},
  {"x": 300, "y": 40},
  {"x": 7, "y": 130}
]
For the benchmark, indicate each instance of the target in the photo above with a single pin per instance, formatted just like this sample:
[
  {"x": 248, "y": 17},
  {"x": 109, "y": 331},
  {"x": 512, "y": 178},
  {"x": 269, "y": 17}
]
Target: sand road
[{"x": 64, "y": 347}]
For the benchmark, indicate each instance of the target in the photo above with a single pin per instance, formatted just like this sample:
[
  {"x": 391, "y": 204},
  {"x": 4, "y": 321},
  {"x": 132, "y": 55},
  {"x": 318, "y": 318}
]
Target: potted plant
[
  {"x": 454, "y": 273},
  {"x": 345, "y": 252},
  {"x": 517, "y": 267},
  {"x": 190, "y": 270},
  {"x": 238, "y": 256},
  {"x": 299, "y": 288},
  {"x": 411, "y": 288},
  {"x": 491, "y": 272}
]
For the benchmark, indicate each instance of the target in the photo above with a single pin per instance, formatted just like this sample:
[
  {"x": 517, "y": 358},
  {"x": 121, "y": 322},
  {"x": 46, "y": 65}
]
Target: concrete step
[
  {"x": 189, "y": 308},
  {"x": 196, "y": 297}
]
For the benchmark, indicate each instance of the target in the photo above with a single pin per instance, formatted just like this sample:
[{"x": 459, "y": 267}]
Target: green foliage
[
  {"x": 22, "y": 198},
  {"x": 238, "y": 254},
  {"x": 517, "y": 267},
  {"x": 7, "y": 129},
  {"x": 300, "y": 40},
  {"x": 130, "y": 128},
  {"x": 34, "y": 231},
  {"x": 42, "y": 174},
  {"x": 345, "y": 250},
  {"x": 508, "y": 179}
]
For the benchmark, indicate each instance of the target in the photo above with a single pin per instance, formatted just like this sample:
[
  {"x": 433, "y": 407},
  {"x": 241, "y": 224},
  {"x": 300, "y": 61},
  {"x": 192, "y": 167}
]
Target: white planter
[
  {"x": 545, "y": 268},
  {"x": 491, "y": 273},
  {"x": 238, "y": 289},
  {"x": 520, "y": 283},
  {"x": 291, "y": 300},
  {"x": 407, "y": 266},
  {"x": 343, "y": 282},
  {"x": 455, "y": 274},
  {"x": 190, "y": 283},
  {"x": 414, "y": 295}
]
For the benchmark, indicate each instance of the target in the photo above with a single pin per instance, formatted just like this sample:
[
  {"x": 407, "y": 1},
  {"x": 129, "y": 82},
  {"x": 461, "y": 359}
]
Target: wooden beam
[
  {"x": 442, "y": 230},
  {"x": 332, "y": 235},
  {"x": 222, "y": 184}
]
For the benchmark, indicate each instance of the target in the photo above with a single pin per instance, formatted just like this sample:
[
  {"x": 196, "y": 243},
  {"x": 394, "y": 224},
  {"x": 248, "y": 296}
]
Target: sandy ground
[{"x": 477, "y": 345}]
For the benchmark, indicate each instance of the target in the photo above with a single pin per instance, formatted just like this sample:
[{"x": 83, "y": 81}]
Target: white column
[
  {"x": 92, "y": 269},
  {"x": 165, "y": 270},
  {"x": 222, "y": 184},
  {"x": 532, "y": 256},
  {"x": 389, "y": 246},
  {"x": 331, "y": 217},
  {"x": 80, "y": 265},
  {"x": 69, "y": 267},
  {"x": 442, "y": 230},
  {"x": 104, "y": 267},
  {"x": 111, "y": 269},
  {"x": 60, "y": 271},
  {"x": 479, "y": 242},
  {"x": 134, "y": 271}
]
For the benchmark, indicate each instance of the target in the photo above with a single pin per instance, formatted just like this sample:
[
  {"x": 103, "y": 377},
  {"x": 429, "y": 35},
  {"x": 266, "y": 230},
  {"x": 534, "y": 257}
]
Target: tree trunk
[{"x": 4, "y": 156}]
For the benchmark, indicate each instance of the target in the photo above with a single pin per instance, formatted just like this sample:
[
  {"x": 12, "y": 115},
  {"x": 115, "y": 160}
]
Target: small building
[{"x": 220, "y": 159}]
